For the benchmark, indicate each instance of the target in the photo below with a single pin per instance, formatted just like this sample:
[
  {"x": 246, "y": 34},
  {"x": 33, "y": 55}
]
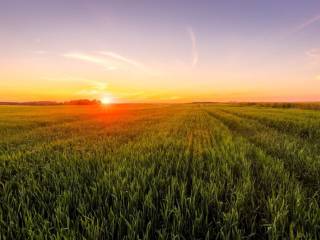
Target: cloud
[
  {"x": 313, "y": 53},
  {"x": 92, "y": 87},
  {"x": 109, "y": 60},
  {"x": 118, "y": 57},
  {"x": 84, "y": 87},
  {"x": 307, "y": 23},
  {"x": 91, "y": 58},
  {"x": 95, "y": 88},
  {"x": 313, "y": 56},
  {"x": 111, "y": 68},
  {"x": 195, "y": 55}
]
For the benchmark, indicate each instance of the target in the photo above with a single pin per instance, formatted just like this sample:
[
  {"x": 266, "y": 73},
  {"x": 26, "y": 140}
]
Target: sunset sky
[{"x": 160, "y": 51}]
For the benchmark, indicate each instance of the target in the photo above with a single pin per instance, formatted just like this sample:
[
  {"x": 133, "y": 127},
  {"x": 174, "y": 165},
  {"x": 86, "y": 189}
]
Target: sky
[{"x": 160, "y": 51}]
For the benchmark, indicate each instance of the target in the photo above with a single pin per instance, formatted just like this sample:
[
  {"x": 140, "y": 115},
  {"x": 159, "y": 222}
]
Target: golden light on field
[{"x": 106, "y": 100}]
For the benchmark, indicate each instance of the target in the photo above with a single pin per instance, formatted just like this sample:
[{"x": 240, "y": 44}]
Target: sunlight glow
[{"x": 106, "y": 100}]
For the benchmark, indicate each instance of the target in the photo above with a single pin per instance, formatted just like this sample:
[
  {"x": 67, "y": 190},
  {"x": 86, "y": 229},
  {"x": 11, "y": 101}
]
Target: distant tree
[{"x": 82, "y": 102}]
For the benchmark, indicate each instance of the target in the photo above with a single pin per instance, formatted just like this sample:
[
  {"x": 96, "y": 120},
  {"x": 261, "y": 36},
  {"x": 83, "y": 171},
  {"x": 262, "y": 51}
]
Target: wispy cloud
[
  {"x": 306, "y": 24},
  {"x": 118, "y": 57},
  {"x": 107, "y": 59},
  {"x": 95, "y": 88},
  {"x": 195, "y": 55},
  {"x": 313, "y": 53},
  {"x": 91, "y": 58},
  {"x": 313, "y": 56},
  {"x": 91, "y": 87}
]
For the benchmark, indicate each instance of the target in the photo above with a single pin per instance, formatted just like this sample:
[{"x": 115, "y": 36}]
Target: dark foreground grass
[{"x": 193, "y": 171}]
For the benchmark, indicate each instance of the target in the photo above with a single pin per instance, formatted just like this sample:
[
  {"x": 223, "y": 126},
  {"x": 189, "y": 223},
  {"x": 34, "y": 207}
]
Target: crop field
[{"x": 180, "y": 171}]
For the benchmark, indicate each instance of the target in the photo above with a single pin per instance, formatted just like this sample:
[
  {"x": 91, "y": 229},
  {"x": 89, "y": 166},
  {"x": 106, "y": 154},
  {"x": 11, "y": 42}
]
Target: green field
[{"x": 183, "y": 171}]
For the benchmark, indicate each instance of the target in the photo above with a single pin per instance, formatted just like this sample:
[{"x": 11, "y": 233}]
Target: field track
[{"x": 180, "y": 171}]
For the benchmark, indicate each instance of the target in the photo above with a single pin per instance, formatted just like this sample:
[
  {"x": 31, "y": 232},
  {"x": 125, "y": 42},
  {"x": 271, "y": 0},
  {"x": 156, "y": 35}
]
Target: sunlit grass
[{"x": 202, "y": 171}]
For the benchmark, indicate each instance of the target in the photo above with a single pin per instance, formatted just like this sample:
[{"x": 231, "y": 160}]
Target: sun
[{"x": 106, "y": 100}]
